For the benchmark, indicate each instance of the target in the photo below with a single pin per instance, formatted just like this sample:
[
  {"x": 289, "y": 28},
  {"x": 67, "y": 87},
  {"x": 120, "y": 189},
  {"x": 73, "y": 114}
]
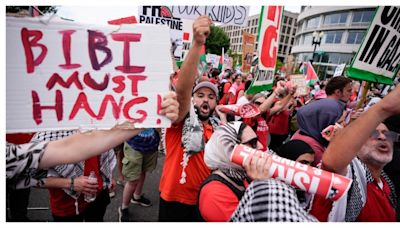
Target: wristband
[{"x": 72, "y": 184}]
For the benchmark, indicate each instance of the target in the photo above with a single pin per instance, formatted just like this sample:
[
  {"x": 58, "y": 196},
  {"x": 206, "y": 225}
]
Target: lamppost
[{"x": 316, "y": 41}]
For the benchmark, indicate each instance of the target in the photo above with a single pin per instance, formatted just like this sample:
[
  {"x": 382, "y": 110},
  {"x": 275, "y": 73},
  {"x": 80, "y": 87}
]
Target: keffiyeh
[{"x": 270, "y": 201}]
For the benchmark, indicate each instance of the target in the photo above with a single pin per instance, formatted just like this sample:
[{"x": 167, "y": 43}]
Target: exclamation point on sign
[{"x": 158, "y": 107}]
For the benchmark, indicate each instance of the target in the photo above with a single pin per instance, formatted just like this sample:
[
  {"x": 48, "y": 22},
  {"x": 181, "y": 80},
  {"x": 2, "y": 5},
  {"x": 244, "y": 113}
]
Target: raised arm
[
  {"x": 345, "y": 146},
  {"x": 201, "y": 30},
  {"x": 79, "y": 147}
]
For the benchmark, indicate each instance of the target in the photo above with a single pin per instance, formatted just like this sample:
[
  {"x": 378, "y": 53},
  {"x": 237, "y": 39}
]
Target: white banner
[
  {"x": 229, "y": 15},
  {"x": 339, "y": 70},
  {"x": 64, "y": 75}
]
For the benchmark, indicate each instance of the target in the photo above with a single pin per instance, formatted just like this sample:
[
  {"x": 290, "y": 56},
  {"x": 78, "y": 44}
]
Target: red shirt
[
  {"x": 262, "y": 130},
  {"x": 63, "y": 205},
  {"x": 226, "y": 88},
  {"x": 217, "y": 202},
  {"x": 376, "y": 209},
  {"x": 196, "y": 170},
  {"x": 279, "y": 123}
]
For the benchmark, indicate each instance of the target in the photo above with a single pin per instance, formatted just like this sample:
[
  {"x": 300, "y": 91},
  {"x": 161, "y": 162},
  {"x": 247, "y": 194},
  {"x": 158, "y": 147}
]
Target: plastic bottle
[{"x": 93, "y": 180}]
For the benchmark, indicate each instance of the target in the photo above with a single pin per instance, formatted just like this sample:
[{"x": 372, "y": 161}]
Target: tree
[
  {"x": 216, "y": 41},
  {"x": 43, "y": 9}
]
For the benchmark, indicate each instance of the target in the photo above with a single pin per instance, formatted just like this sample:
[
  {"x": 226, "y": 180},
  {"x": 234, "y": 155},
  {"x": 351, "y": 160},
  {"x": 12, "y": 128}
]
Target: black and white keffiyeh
[
  {"x": 192, "y": 138},
  {"x": 270, "y": 201}
]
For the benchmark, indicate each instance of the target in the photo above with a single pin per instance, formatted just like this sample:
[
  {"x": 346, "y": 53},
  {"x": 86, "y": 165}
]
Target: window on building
[
  {"x": 307, "y": 39},
  {"x": 287, "y": 40},
  {"x": 283, "y": 29},
  {"x": 284, "y": 49},
  {"x": 290, "y": 20},
  {"x": 288, "y": 30},
  {"x": 285, "y": 19},
  {"x": 336, "y": 18},
  {"x": 294, "y": 31},
  {"x": 292, "y": 41},
  {"x": 282, "y": 39},
  {"x": 280, "y": 49},
  {"x": 332, "y": 37},
  {"x": 248, "y": 22},
  {"x": 257, "y": 21},
  {"x": 290, "y": 50},
  {"x": 355, "y": 37},
  {"x": 363, "y": 16},
  {"x": 339, "y": 58},
  {"x": 312, "y": 23}
]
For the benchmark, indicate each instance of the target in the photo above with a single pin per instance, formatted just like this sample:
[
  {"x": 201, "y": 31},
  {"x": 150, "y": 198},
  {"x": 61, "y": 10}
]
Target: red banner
[
  {"x": 310, "y": 179},
  {"x": 247, "y": 110}
]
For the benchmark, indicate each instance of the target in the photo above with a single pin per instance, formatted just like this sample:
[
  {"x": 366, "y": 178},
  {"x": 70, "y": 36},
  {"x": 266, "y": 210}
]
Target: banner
[
  {"x": 268, "y": 31},
  {"x": 247, "y": 110},
  {"x": 300, "y": 81},
  {"x": 249, "y": 42},
  {"x": 229, "y": 15},
  {"x": 310, "y": 179},
  {"x": 378, "y": 58},
  {"x": 180, "y": 30},
  {"x": 64, "y": 75}
]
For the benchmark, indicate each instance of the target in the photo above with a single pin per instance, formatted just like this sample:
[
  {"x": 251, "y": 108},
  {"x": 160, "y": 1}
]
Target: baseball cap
[{"x": 206, "y": 84}]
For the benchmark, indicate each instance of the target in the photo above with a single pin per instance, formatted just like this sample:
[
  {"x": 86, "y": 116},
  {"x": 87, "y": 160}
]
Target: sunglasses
[
  {"x": 252, "y": 143},
  {"x": 257, "y": 103},
  {"x": 390, "y": 135}
]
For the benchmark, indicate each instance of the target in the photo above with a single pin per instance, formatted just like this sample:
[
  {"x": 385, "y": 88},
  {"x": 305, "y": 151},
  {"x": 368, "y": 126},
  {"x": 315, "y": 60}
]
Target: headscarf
[
  {"x": 270, "y": 201},
  {"x": 294, "y": 149},
  {"x": 219, "y": 148}
]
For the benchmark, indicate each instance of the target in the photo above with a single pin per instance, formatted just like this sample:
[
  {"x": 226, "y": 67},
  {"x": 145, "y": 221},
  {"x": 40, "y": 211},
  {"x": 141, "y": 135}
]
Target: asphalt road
[{"x": 38, "y": 209}]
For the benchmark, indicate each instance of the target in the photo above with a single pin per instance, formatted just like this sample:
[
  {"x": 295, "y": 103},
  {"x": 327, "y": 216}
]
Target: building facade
[
  {"x": 286, "y": 39},
  {"x": 343, "y": 29}
]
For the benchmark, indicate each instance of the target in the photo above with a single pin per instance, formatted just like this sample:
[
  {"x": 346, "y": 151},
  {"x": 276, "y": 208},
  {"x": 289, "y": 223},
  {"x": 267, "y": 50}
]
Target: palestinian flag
[
  {"x": 221, "y": 61},
  {"x": 311, "y": 76}
]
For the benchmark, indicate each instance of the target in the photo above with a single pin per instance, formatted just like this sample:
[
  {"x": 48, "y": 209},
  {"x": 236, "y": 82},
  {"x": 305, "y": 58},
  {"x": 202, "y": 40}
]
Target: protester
[
  {"x": 316, "y": 116},
  {"x": 26, "y": 164},
  {"x": 140, "y": 157},
  {"x": 299, "y": 151},
  {"x": 184, "y": 168},
  {"x": 221, "y": 192},
  {"x": 360, "y": 151},
  {"x": 69, "y": 183}
]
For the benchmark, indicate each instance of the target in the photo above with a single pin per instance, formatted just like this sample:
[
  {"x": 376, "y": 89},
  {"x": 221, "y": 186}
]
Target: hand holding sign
[
  {"x": 201, "y": 30},
  {"x": 257, "y": 168}
]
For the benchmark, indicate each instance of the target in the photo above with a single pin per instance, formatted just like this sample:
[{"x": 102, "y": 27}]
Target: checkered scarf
[
  {"x": 107, "y": 161},
  {"x": 270, "y": 201}
]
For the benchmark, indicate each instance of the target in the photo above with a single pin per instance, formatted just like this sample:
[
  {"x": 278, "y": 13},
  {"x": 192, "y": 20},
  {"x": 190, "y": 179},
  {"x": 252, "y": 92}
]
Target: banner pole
[{"x": 364, "y": 95}]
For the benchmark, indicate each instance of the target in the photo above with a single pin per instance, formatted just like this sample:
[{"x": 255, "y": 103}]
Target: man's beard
[{"x": 201, "y": 116}]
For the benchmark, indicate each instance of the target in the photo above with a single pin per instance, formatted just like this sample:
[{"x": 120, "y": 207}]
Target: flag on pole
[
  {"x": 221, "y": 61},
  {"x": 311, "y": 76}
]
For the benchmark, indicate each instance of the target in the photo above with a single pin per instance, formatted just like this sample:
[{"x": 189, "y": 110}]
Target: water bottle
[{"x": 93, "y": 180}]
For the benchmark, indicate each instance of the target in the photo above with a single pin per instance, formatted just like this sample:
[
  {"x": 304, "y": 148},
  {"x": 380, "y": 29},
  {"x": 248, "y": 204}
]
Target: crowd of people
[{"x": 199, "y": 182}]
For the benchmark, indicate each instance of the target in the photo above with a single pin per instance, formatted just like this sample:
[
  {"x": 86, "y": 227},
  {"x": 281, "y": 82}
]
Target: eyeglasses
[
  {"x": 390, "y": 135},
  {"x": 257, "y": 103},
  {"x": 252, "y": 142}
]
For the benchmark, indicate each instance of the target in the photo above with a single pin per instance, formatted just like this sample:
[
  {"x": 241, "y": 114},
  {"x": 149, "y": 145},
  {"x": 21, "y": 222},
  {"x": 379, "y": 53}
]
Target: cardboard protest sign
[
  {"x": 268, "y": 38},
  {"x": 249, "y": 42},
  {"x": 300, "y": 81},
  {"x": 310, "y": 179},
  {"x": 162, "y": 15},
  {"x": 378, "y": 58},
  {"x": 247, "y": 110},
  {"x": 64, "y": 75},
  {"x": 339, "y": 70},
  {"x": 229, "y": 15}
]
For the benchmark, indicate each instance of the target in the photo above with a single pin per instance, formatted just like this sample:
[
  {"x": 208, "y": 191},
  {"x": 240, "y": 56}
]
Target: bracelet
[{"x": 72, "y": 184}]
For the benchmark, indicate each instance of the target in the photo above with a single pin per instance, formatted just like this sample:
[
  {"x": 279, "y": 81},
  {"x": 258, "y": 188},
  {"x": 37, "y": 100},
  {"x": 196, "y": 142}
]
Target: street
[{"x": 38, "y": 209}]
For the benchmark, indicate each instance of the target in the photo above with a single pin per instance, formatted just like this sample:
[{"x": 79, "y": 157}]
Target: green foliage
[{"x": 216, "y": 41}]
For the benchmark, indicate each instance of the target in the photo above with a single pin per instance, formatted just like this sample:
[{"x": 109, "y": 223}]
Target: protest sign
[
  {"x": 229, "y": 15},
  {"x": 339, "y": 70},
  {"x": 378, "y": 58},
  {"x": 249, "y": 42},
  {"x": 179, "y": 31},
  {"x": 310, "y": 179},
  {"x": 64, "y": 75},
  {"x": 300, "y": 81},
  {"x": 268, "y": 31}
]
